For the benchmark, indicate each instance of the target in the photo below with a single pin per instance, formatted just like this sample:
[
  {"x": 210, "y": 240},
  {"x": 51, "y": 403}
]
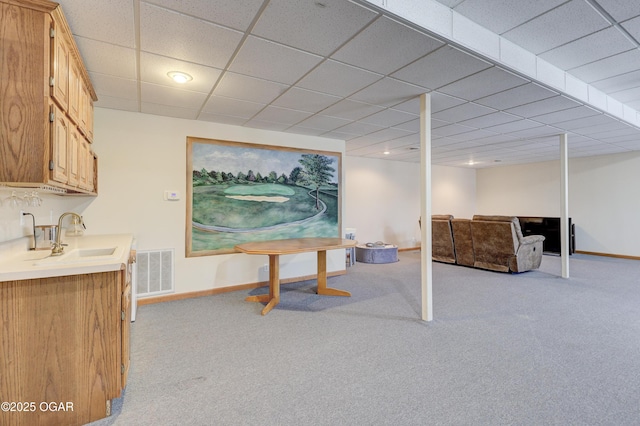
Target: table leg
[
  {"x": 273, "y": 298},
  {"x": 322, "y": 278}
]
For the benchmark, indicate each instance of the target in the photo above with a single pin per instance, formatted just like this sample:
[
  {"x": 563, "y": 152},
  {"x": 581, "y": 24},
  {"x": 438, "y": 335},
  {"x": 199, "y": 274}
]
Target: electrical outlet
[{"x": 265, "y": 268}]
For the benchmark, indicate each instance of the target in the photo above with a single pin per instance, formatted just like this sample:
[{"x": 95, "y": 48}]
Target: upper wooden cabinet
[{"x": 46, "y": 101}]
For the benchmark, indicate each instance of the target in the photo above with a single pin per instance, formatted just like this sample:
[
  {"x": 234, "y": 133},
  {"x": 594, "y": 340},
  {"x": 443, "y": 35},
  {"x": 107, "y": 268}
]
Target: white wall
[
  {"x": 604, "y": 198},
  {"x": 142, "y": 155},
  {"x": 383, "y": 198}
]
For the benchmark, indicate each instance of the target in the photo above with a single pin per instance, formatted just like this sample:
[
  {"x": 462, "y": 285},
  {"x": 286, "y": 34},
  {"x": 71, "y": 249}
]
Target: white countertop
[{"x": 19, "y": 264}]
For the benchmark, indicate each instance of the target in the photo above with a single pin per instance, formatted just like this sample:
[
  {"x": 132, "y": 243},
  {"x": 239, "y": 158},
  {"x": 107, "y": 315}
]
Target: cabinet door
[
  {"x": 59, "y": 146},
  {"x": 83, "y": 153},
  {"x": 74, "y": 156},
  {"x": 60, "y": 71},
  {"x": 74, "y": 94},
  {"x": 126, "y": 327}
]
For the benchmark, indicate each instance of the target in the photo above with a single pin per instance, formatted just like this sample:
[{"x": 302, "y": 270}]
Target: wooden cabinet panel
[
  {"x": 75, "y": 156},
  {"x": 74, "y": 94},
  {"x": 60, "y": 146},
  {"x": 60, "y": 70},
  {"x": 61, "y": 341},
  {"x": 40, "y": 66},
  {"x": 24, "y": 133}
]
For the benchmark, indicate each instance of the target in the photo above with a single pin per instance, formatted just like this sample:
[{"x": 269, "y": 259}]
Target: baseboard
[
  {"x": 619, "y": 256},
  {"x": 213, "y": 291},
  {"x": 409, "y": 248}
]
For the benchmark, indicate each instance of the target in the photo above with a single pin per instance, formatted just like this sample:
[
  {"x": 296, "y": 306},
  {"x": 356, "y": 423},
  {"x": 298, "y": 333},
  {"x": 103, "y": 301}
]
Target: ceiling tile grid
[{"x": 346, "y": 69}]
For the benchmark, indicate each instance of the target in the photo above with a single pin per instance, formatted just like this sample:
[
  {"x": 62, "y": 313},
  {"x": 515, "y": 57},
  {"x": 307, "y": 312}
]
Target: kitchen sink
[{"x": 90, "y": 252}]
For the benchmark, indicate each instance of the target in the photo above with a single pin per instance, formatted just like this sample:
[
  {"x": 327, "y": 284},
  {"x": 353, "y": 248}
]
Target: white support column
[
  {"x": 425, "y": 206},
  {"x": 564, "y": 205}
]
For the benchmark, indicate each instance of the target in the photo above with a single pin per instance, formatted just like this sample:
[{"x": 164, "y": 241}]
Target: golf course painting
[{"x": 240, "y": 192}]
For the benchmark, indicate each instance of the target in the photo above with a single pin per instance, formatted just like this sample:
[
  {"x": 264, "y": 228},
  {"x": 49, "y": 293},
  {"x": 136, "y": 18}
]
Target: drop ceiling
[{"x": 354, "y": 70}]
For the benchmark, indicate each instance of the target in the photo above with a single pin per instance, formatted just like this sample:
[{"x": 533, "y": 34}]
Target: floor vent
[{"x": 154, "y": 272}]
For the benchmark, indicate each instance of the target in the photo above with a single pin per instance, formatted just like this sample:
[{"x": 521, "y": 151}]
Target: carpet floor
[{"x": 525, "y": 349}]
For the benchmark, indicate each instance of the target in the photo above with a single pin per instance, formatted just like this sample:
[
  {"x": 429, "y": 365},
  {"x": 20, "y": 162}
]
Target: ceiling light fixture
[
  {"x": 386, "y": 153},
  {"x": 179, "y": 77}
]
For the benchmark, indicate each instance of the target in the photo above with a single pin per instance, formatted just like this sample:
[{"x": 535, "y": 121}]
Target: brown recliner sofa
[
  {"x": 442, "y": 248},
  {"x": 498, "y": 244}
]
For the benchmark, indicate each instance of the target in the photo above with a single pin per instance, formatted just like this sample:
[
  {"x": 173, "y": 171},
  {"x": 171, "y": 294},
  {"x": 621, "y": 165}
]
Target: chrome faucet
[
  {"x": 33, "y": 222},
  {"x": 58, "y": 248}
]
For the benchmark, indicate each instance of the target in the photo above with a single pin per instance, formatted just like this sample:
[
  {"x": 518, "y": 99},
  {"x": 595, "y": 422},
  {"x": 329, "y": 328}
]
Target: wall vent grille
[{"x": 154, "y": 272}]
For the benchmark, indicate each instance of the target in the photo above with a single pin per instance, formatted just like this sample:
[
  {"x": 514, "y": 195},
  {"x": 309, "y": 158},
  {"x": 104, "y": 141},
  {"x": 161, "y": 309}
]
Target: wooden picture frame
[{"x": 240, "y": 192}]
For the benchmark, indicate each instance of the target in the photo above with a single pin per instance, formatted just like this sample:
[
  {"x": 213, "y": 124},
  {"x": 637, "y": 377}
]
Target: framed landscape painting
[{"x": 240, "y": 192}]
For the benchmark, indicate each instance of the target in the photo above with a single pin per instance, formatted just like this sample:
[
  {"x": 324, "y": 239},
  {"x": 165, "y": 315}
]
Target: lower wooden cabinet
[{"x": 64, "y": 346}]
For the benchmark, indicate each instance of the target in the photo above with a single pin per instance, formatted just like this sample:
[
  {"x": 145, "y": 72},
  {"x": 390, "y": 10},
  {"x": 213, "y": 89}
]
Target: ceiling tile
[
  {"x": 171, "y": 34},
  {"x": 154, "y": 69},
  {"x": 108, "y": 85},
  {"x": 565, "y": 115},
  {"x": 383, "y": 135},
  {"x": 387, "y": 92},
  {"x": 219, "y": 105},
  {"x": 488, "y": 120},
  {"x": 514, "y": 126},
  {"x": 106, "y": 58},
  {"x": 110, "y": 102},
  {"x": 400, "y": 43},
  {"x": 621, "y": 10},
  {"x": 626, "y": 81},
  {"x": 221, "y": 118},
  {"x": 163, "y": 95},
  {"x": 272, "y": 61},
  {"x": 168, "y": 111},
  {"x": 533, "y": 109},
  {"x": 351, "y": 110},
  {"x": 338, "y": 79},
  {"x": 462, "y": 112},
  {"x": 520, "y": 95},
  {"x": 627, "y": 95},
  {"x": 266, "y": 125},
  {"x": 440, "y": 101},
  {"x": 483, "y": 83},
  {"x": 451, "y": 130},
  {"x": 633, "y": 26},
  {"x": 110, "y": 21},
  {"x": 305, "y": 100},
  {"x": 249, "y": 88},
  {"x": 312, "y": 26},
  {"x": 323, "y": 122},
  {"x": 551, "y": 30},
  {"x": 608, "y": 67},
  {"x": 236, "y": 14},
  {"x": 441, "y": 67},
  {"x": 301, "y": 130},
  {"x": 389, "y": 117},
  {"x": 281, "y": 115},
  {"x": 591, "y": 123},
  {"x": 592, "y": 47},
  {"x": 411, "y": 126},
  {"x": 359, "y": 128},
  {"x": 502, "y": 15}
]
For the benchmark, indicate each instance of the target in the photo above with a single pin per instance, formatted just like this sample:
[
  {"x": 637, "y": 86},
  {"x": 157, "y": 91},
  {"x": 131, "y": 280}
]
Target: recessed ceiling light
[
  {"x": 470, "y": 163},
  {"x": 179, "y": 77},
  {"x": 386, "y": 153}
]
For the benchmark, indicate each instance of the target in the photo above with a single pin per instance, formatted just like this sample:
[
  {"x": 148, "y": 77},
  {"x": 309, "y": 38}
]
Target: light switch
[{"x": 170, "y": 195}]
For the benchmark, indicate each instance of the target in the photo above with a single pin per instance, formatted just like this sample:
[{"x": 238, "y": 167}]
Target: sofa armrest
[{"x": 532, "y": 239}]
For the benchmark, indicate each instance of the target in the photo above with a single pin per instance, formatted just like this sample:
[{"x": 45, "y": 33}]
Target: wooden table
[{"x": 292, "y": 246}]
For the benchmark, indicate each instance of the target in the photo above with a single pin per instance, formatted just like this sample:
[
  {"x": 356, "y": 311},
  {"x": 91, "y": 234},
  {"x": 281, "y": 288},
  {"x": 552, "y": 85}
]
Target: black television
[{"x": 550, "y": 228}]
